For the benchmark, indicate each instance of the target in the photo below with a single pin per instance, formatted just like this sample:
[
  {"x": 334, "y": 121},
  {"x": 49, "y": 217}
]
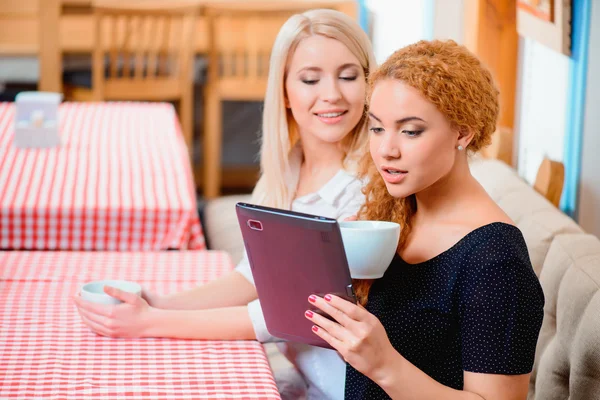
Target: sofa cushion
[
  {"x": 221, "y": 225},
  {"x": 567, "y": 361},
  {"x": 537, "y": 218}
]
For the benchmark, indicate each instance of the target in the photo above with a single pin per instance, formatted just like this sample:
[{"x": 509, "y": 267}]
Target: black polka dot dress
[{"x": 476, "y": 307}]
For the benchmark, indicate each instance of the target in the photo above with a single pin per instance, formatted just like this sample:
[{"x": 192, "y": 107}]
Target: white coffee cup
[
  {"x": 370, "y": 246},
  {"x": 94, "y": 291}
]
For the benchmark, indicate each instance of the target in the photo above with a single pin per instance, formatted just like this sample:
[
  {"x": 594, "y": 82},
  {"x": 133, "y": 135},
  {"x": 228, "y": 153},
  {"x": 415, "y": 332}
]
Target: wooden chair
[
  {"x": 240, "y": 42},
  {"x": 550, "y": 180},
  {"x": 149, "y": 47}
]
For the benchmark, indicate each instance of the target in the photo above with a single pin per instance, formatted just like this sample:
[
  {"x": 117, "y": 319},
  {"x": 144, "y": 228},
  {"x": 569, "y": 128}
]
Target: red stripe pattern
[
  {"x": 120, "y": 181},
  {"x": 46, "y": 351}
]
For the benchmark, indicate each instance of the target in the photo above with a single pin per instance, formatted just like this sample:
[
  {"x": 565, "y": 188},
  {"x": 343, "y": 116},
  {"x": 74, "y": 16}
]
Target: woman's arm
[
  {"x": 230, "y": 290},
  {"x": 217, "y": 310},
  {"x": 231, "y": 323},
  {"x": 362, "y": 340},
  {"x": 135, "y": 318},
  {"x": 402, "y": 380}
]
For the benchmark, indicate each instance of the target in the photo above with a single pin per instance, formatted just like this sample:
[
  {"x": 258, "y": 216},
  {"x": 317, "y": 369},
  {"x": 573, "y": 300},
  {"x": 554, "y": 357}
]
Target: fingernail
[
  {"x": 312, "y": 298},
  {"x": 309, "y": 313},
  {"x": 327, "y": 297},
  {"x": 315, "y": 328}
]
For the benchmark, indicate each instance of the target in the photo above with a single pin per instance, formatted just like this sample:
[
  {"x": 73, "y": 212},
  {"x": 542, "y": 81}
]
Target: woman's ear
[{"x": 465, "y": 136}]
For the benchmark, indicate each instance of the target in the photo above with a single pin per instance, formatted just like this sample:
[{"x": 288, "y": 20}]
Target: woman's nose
[
  {"x": 331, "y": 91},
  {"x": 389, "y": 146}
]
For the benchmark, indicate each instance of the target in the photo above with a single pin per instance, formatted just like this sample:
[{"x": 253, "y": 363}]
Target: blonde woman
[{"x": 314, "y": 123}]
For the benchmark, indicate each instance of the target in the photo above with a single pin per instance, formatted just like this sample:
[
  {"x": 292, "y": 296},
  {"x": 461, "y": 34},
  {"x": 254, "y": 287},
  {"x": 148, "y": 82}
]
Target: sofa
[{"x": 566, "y": 259}]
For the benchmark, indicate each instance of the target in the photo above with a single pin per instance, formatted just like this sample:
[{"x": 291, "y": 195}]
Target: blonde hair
[{"x": 279, "y": 130}]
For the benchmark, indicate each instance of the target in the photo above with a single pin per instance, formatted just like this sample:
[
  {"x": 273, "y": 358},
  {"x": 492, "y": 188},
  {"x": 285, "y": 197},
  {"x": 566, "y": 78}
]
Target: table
[
  {"x": 120, "y": 181},
  {"x": 47, "y": 352}
]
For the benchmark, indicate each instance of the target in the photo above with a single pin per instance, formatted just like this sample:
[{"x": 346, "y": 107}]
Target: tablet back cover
[{"x": 292, "y": 256}]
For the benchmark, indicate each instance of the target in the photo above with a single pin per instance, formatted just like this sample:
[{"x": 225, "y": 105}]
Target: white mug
[
  {"x": 370, "y": 246},
  {"x": 94, "y": 291}
]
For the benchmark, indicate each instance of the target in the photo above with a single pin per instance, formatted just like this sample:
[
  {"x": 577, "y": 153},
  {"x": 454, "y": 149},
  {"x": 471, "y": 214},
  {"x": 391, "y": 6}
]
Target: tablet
[{"x": 293, "y": 255}]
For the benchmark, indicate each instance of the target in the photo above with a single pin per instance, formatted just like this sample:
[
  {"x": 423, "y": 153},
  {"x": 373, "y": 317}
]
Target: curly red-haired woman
[{"x": 458, "y": 312}]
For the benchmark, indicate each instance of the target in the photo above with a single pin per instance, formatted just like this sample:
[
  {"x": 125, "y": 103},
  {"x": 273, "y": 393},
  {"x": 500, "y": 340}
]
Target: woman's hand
[
  {"x": 358, "y": 335},
  {"x": 128, "y": 319}
]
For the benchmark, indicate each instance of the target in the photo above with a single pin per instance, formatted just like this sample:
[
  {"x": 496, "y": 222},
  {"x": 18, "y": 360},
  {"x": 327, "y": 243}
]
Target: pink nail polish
[
  {"x": 309, "y": 313},
  {"x": 312, "y": 298},
  {"x": 327, "y": 297},
  {"x": 315, "y": 328}
]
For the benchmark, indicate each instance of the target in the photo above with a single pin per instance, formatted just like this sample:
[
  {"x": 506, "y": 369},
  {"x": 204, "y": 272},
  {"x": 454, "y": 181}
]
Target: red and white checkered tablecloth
[
  {"x": 120, "y": 181},
  {"x": 47, "y": 353}
]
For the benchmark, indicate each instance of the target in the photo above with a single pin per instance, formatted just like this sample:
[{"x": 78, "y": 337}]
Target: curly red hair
[{"x": 462, "y": 89}]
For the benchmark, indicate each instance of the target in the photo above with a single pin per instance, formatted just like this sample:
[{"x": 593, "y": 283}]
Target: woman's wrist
[
  {"x": 152, "y": 321},
  {"x": 388, "y": 374}
]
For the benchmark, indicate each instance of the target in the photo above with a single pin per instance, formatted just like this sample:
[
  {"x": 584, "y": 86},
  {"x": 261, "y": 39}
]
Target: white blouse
[{"x": 324, "y": 370}]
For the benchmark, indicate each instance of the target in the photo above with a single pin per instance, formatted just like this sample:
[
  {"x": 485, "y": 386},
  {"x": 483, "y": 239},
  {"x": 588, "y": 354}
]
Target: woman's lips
[
  {"x": 391, "y": 175},
  {"x": 331, "y": 117}
]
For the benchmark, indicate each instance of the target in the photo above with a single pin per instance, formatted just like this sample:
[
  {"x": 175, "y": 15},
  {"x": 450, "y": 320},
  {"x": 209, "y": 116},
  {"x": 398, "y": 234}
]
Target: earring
[{"x": 460, "y": 147}]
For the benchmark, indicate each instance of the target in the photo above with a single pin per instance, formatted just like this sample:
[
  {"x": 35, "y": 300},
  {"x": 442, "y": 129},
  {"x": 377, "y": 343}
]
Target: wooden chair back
[
  {"x": 144, "y": 52},
  {"x": 147, "y": 50},
  {"x": 550, "y": 180}
]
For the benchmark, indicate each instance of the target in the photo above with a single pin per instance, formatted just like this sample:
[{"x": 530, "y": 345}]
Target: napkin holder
[{"x": 36, "y": 120}]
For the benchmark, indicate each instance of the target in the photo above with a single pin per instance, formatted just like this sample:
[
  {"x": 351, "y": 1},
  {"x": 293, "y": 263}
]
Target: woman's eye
[
  {"x": 310, "y": 81},
  {"x": 376, "y": 130},
  {"x": 412, "y": 133},
  {"x": 348, "y": 78}
]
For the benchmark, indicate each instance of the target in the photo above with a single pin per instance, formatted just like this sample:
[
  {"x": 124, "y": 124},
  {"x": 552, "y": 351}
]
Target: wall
[
  {"x": 540, "y": 125},
  {"x": 589, "y": 187},
  {"x": 448, "y": 19},
  {"x": 396, "y": 23}
]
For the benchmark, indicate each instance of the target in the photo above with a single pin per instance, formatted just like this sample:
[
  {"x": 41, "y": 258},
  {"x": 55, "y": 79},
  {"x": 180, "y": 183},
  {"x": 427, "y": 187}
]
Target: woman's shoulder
[
  {"x": 497, "y": 246},
  {"x": 348, "y": 184},
  {"x": 497, "y": 273},
  {"x": 348, "y": 194},
  {"x": 496, "y": 235}
]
